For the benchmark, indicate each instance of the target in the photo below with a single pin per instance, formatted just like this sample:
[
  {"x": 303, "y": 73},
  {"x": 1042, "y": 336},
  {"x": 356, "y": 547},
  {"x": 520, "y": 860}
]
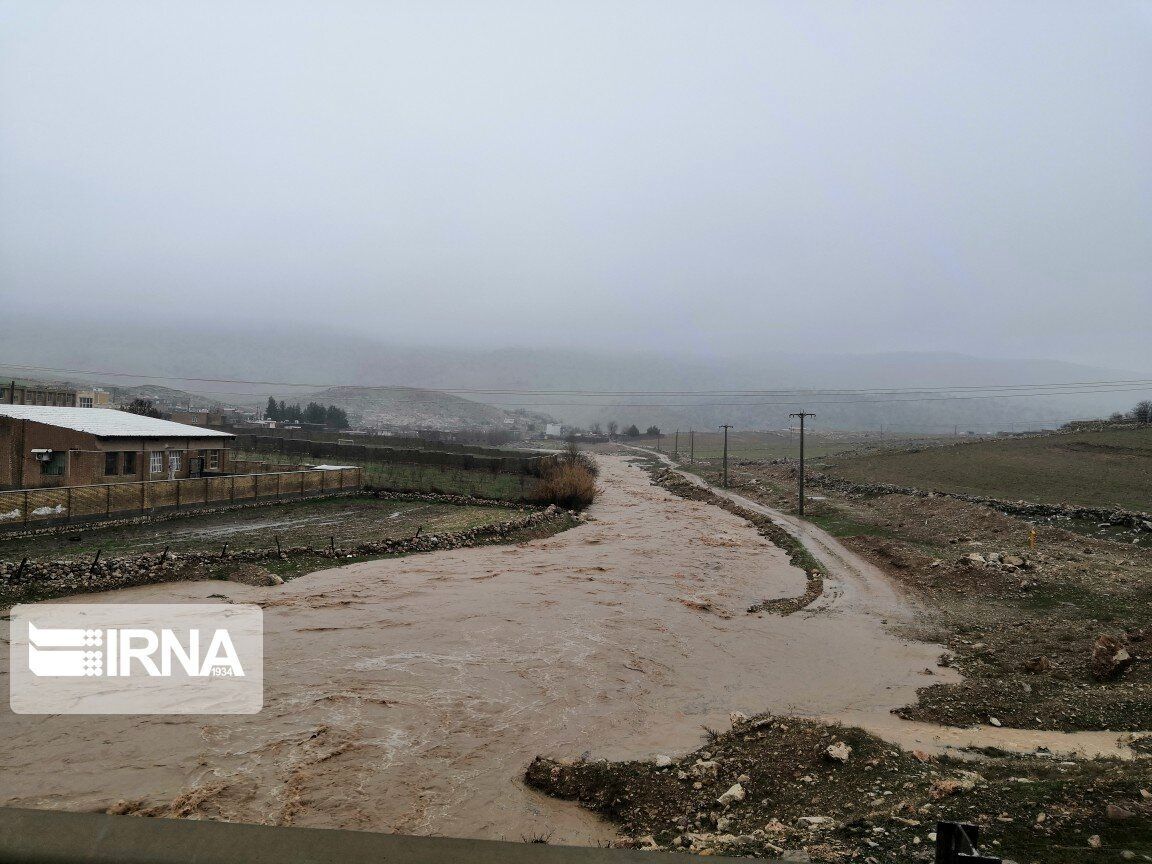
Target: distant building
[
  {"x": 25, "y": 393},
  {"x": 43, "y": 446},
  {"x": 552, "y": 430},
  {"x": 95, "y": 398}
]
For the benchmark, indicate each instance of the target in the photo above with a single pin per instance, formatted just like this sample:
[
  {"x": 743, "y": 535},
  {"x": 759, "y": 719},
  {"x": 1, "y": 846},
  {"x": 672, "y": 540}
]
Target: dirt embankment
[{"x": 789, "y": 787}]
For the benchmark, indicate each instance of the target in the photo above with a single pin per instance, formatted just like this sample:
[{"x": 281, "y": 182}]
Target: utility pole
[
  {"x": 676, "y": 447},
  {"x": 726, "y": 427},
  {"x": 802, "y": 415},
  {"x": 691, "y": 446}
]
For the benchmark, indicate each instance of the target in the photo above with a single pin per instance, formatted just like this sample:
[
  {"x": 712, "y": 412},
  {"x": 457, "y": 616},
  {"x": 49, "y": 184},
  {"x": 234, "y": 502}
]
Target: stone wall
[
  {"x": 37, "y": 580},
  {"x": 1026, "y": 509}
]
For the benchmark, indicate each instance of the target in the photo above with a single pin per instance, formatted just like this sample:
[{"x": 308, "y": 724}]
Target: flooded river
[{"x": 409, "y": 694}]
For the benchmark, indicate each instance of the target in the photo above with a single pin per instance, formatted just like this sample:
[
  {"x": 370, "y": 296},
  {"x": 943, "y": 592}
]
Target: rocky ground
[{"x": 782, "y": 787}]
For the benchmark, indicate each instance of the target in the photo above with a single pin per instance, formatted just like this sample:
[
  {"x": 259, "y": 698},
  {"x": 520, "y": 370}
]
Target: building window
[
  {"x": 213, "y": 460},
  {"x": 129, "y": 462},
  {"x": 174, "y": 463},
  {"x": 85, "y": 401},
  {"x": 55, "y": 465},
  {"x": 156, "y": 462},
  {"x": 111, "y": 464}
]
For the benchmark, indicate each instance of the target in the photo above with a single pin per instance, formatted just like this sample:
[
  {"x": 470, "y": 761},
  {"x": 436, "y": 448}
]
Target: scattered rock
[
  {"x": 734, "y": 794},
  {"x": 1037, "y": 665},
  {"x": 1118, "y": 814},
  {"x": 814, "y": 822},
  {"x": 839, "y": 752},
  {"x": 663, "y": 761}
]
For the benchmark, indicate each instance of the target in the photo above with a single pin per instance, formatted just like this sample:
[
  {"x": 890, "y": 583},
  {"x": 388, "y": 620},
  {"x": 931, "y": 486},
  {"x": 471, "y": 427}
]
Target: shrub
[
  {"x": 573, "y": 455},
  {"x": 566, "y": 484}
]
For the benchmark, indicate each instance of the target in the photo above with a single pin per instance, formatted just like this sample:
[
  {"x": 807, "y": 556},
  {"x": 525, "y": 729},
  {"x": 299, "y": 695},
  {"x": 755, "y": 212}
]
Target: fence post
[
  {"x": 277, "y": 485},
  {"x": 68, "y": 504},
  {"x": 143, "y": 489},
  {"x": 301, "y": 484},
  {"x": 25, "y": 506},
  {"x": 205, "y": 490},
  {"x": 256, "y": 487},
  {"x": 177, "y": 482},
  {"x": 322, "y": 473},
  {"x": 232, "y": 491},
  {"x": 108, "y": 500}
]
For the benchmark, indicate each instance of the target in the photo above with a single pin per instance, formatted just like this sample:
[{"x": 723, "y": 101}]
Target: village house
[{"x": 46, "y": 446}]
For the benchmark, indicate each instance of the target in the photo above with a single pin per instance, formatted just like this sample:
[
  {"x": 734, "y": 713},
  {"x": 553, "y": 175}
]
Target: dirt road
[{"x": 409, "y": 694}]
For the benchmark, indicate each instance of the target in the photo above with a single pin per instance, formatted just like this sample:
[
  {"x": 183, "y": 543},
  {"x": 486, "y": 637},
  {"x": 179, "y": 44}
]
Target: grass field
[
  {"x": 759, "y": 445},
  {"x": 349, "y": 520},
  {"x": 1098, "y": 468},
  {"x": 427, "y": 478}
]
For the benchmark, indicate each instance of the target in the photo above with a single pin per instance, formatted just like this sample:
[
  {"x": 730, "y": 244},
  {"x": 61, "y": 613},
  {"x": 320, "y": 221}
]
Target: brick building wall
[{"x": 82, "y": 459}]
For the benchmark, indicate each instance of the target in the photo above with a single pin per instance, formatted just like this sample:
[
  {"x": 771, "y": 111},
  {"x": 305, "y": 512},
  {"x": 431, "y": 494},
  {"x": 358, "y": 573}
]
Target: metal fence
[{"x": 24, "y": 508}]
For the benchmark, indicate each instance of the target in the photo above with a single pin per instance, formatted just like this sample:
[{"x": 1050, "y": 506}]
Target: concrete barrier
[{"x": 58, "y": 837}]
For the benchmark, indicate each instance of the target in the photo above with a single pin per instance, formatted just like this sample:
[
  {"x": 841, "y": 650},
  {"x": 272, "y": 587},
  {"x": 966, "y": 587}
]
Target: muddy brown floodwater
[{"x": 409, "y": 694}]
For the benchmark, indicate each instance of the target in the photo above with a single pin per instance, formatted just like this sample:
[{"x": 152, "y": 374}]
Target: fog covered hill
[
  {"x": 317, "y": 358},
  {"x": 411, "y": 407}
]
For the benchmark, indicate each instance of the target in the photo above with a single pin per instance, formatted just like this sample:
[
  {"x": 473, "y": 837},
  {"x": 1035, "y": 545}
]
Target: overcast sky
[{"x": 971, "y": 176}]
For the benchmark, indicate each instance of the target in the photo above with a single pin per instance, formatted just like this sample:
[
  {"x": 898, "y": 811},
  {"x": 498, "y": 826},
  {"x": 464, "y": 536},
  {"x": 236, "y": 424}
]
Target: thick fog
[{"x": 712, "y": 177}]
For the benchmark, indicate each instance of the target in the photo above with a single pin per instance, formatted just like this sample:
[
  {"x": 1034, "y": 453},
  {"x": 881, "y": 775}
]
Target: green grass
[
  {"x": 1102, "y": 469},
  {"x": 761, "y": 445},
  {"x": 841, "y": 525}
]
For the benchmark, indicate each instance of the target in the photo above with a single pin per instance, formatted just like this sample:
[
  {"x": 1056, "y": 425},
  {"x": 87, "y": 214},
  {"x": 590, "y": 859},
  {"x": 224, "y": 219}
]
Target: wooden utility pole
[
  {"x": 691, "y": 446},
  {"x": 726, "y": 427},
  {"x": 676, "y": 447},
  {"x": 802, "y": 415}
]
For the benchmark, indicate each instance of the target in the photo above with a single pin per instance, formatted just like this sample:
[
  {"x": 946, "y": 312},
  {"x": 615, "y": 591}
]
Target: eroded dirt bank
[{"x": 410, "y": 694}]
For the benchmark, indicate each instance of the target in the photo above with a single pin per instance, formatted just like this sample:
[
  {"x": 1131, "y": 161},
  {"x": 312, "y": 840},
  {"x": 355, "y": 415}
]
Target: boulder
[
  {"x": 1109, "y": 658},
  {"x": 254, "y": 574}
]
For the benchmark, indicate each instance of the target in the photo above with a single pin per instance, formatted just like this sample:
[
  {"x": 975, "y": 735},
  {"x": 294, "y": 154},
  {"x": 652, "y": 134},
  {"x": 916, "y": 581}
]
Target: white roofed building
[{"x": 43, "y": 446}]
